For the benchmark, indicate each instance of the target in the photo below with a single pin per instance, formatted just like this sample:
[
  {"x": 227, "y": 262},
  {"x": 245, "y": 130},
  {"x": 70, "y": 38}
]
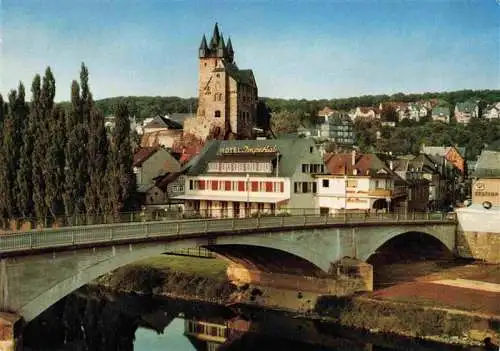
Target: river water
[{"x": 94, "y": 320}]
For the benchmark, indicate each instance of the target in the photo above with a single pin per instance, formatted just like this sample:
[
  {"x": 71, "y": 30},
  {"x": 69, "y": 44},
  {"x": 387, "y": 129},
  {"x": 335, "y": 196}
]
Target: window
[
  {"x": 305, "y": 168},
  {"x": 201, "y": 185},
  {"x": 227, "y": 185},
  {"x": 217, "y": 114},
  {"x": 241, "y": 185},
  {"x": 304, "y": 187},
  {"x": 269, "y": 187},
  {"x": 191, "y": 185},
  {"x": 315, "y": 187},
  {"x": 282, "y": 187},
  {"x": 215, "y": 185},
  {"x": 326, "y": 183},
  {"x": 296, "y": 187},
  {"x": 311, "y": 149},
  {"x": 351, "y": 183},
  {"x": 255, "y": 186}
]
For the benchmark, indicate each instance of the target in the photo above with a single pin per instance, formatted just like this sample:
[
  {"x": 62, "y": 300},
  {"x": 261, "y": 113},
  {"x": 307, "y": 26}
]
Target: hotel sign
[
  {"x": 246, "y": 149},
  {"x": 481, "y": 190}
]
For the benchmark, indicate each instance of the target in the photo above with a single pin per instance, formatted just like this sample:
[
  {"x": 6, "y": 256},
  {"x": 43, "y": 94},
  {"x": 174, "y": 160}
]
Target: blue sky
[{"x": 297, "y": 48}]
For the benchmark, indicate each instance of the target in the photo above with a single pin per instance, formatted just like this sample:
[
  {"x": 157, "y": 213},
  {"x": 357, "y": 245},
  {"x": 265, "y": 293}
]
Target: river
[{"x": 91, "y": 319}]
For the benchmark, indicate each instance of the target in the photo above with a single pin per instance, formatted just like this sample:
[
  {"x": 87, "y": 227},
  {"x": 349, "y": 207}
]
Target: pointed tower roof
[
  {"x": 229, "y": 45},
  {"x": 220, "y": 44},
  {"x": 203, "y": 45},
  {"x": 215, "y": 37}
]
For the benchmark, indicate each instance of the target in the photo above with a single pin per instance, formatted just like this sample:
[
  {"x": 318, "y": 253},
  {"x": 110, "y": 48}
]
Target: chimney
[{"x": 353, "y": 158}]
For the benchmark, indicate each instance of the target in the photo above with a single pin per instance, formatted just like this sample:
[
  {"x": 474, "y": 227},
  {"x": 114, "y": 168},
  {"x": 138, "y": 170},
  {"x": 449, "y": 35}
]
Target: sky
[{"x": 296, "y": 48}]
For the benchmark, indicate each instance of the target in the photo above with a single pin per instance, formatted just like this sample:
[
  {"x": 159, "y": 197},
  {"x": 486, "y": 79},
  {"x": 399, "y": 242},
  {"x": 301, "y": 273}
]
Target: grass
[{"x": 205, "y": 267}]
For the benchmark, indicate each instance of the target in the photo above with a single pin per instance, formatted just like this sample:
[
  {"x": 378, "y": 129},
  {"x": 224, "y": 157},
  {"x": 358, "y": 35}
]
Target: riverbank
[{"x": 205, "y": 280}]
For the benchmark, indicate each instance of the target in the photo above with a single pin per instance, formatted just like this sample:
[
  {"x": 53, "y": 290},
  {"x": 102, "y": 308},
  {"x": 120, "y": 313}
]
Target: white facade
[
  {"x": 352, "y": 192},
  {"x": 492, "y": 112},
  {"x": 235, "y": 196}
]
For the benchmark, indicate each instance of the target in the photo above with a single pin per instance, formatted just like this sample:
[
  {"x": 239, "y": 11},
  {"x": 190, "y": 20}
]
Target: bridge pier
[
  {"x": 297, "y": 292},
  {"x": 10, "y": 332}
]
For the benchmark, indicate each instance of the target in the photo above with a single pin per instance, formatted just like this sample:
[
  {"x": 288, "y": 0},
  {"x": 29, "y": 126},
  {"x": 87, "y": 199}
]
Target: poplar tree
[
  {"x": 73, "y": 152},
  {"x": 95, "y": 196},
  {"x": 43, "y": 124},
  {"x": 55, "y": 163},
  {"x": 120, "y": 175},
  {"x": 24, "y": 194},
  {"x": 10, "y": 154}
]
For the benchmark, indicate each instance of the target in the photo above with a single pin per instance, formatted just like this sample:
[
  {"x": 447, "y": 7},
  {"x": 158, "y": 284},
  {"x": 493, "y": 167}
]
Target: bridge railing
[
  {"x": 25, "y": 224},
  {"x": 122, "y": 232}
]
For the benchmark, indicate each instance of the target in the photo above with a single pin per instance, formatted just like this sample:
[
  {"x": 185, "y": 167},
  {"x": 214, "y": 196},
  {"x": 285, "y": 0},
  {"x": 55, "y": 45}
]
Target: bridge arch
[
  {"x": 100, "y": 261},
  {"x": 378, "y": 241}
]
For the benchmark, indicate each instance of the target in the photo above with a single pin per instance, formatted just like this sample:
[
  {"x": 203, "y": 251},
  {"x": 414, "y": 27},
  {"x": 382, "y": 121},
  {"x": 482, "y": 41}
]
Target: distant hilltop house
[
  {"x": 465, "y": 111},
  {"x": 492, "y": 111},
  {"x": 441, "y": 113},
  {"x": 364, "y": 112},
  {"x": 161, "y": 131},
  {"x": 332, "y": 126},
  {"x": 227, "y": 95}
]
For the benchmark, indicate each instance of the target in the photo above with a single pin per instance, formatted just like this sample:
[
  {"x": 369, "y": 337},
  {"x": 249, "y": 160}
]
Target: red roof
[
  {"x": 365, "y": 164},
  {"x": 142, "y": 155}
]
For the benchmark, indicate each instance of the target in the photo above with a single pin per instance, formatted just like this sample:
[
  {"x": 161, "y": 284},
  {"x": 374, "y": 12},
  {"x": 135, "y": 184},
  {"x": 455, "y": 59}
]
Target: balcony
[{"x": 398, "y": 191}]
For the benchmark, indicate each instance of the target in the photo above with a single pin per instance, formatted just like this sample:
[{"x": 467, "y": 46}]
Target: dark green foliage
[
  {"x": 41, "y": 171},
  {"x": 120, "y": 175},
  {"x": 148, "y": 106},
  {"x": 55, "y": 163},
  {"x": 25, "y": 173},
  {"x": 96, "y": 194}
]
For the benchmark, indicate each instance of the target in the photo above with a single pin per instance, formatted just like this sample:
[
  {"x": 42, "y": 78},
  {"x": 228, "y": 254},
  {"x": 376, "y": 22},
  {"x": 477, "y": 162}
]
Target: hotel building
[{"x": 237, "y": 178}]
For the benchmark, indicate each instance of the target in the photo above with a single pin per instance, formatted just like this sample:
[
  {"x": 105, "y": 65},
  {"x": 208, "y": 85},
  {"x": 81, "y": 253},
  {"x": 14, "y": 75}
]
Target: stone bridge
[{"x": 39, "y": 267}]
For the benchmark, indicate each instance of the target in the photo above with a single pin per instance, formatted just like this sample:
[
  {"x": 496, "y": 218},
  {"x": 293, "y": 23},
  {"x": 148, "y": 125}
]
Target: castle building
[{"x": 227, "y": 95}]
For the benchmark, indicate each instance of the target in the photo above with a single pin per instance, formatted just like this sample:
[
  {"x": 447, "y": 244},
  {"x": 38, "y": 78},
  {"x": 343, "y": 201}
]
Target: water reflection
[{"x": 94, "y": 320}]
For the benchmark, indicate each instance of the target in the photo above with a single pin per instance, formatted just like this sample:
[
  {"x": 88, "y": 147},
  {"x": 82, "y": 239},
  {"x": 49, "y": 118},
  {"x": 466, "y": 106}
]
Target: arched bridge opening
[
  {"x": 408, "y": 256},
  {"x": 266, "y": 259}
]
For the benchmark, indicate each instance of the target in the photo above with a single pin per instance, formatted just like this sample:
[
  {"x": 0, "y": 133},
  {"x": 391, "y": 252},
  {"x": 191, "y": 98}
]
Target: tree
[
  {"x": 388, "y": 113},
  {"x": 24, "y": 193},
  {"x": 55, "y": 163},
  {"x": 72, "y": 152},
  {"x": 120, "y": 174},
  {"x": 95, "y": 195},
  {"x": 285, "y": 122}
]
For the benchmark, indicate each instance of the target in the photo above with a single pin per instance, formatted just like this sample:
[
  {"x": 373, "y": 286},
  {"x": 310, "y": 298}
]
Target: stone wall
[
  {"x": 478, "y": 234},
  {"x": 343, "y": 285},
  {"x": 479, "y": 245}
]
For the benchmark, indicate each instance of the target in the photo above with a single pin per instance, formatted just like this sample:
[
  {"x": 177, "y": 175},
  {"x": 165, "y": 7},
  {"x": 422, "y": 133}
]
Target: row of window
[
  {"x": 240, "y": 167},
  {"x": 313, "y": 168},
  {"x": 239, "y": 185},
  {"x": 351, "y": 183},
  {"x": 304, "y": 187}
]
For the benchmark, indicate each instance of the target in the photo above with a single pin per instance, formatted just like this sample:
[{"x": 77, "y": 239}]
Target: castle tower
[{"x": 227, "y": 96}]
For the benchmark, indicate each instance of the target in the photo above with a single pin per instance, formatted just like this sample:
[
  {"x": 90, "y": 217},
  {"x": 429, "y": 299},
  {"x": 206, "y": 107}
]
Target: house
[
  {"x": 236, "y": 178},
  {"x": 335, "y": 127},
  {"x": 365, "y": 112},
  {"x": 492, "y": 111},
  {"x": 454, "y": 155},
  {"x": 486, "y": 183},
  {"x": 150, "y": 163},
  {"x": 325, "y": 112},
  {"x": 417, "y": 111},
  {"x": 410, "y": 169},
  {"x": 432, "y": 169},
  {"x": 464, "y": 111},
  {"x": 441, "y": 113},
  {"x": 452, "y": 167},
  {"x": 161, "y": 131},
  {"x": 358, "y": 183}
]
